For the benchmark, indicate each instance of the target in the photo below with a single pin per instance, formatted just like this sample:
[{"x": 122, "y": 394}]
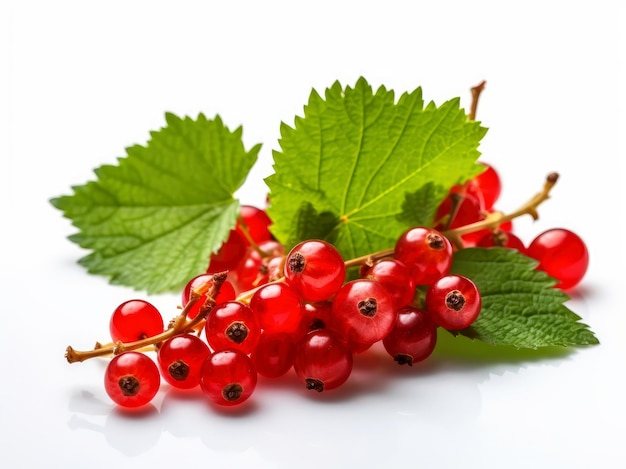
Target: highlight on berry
[{"x": 260, "y": 310}]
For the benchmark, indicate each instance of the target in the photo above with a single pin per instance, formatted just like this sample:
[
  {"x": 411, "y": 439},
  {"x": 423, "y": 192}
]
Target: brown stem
[
  {"x": 495, "y": 219},
  {"x": 243, "y": 227},
  {"x": 179, "y": 325},
  {"x": 491, "y": 222},
  {"x": 245, "y": 296},
  {"x": 211, "y": 288},
  {"x": 476, "y": 90}
]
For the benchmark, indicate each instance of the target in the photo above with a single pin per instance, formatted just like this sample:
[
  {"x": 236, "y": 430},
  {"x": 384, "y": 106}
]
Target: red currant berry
[
  {"x": 315, "y": 270},
  {"x": 180, "y": 359},
  {"x": 253, "y": 271},
  {"x": 562, "y": 254},
  {"x": 396, "y": 276},
  {"x": 453, "y": 301},
  {"x": 488, "y": 184},
  {"x": 273, "y": 355},
  {"x": 131, "y": 379},
  {"x": 469, "y": 209},
  {"x": 256, "y": 222},
  {"x": 322, "y": 361},
  {"x": 277, "y": 307},
  {"x": 226, "y": 293},
  {"x": 135, "y": 320},
  {"x": 413, "y": 337},
  {"x": 232, "y": 325},
  {"x": 228, "y": 377},
  {"x": 315, "y": 316},
  {"x": 502, "y": 238},
  {"x": 229, "y": 255},
  {"x": 363, "y": 311},
  {"x": 426, "y": 252}
]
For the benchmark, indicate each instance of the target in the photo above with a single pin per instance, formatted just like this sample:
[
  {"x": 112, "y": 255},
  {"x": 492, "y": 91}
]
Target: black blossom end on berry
[
  {"x": 403, "y": 359},
  {"x": 232, "y": 392},
  {"x": 313, "y": 384},
  {"x": 129, "y": 385},
  {"x": 296, "y": 263},
  {"x": 179, "y": 370},
  {"x": 237, "y": 332},
  {"x": 455, "y": 300},
  {"x": 435, "y": 241},
  {"x": 317, "y": 324},
  {"x": 368, "y": 307}
]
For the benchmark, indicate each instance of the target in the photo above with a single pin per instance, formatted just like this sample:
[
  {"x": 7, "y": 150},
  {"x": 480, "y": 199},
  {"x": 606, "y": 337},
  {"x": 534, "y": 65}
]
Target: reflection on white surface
[{"x": 427, "y": 404}]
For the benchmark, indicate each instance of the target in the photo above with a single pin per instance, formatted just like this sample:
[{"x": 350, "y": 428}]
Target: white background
[{"x": 81, "y": 81}]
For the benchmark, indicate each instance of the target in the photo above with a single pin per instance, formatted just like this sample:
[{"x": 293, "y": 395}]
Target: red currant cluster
[
  {"x": 310, "y": 319},
  {"x": 260, "y": 311}
]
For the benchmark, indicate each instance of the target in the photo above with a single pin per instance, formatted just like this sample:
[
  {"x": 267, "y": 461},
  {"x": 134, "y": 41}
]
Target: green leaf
[
  {"x": 357, "y": 156},
  {"x": 153, "y": 220},
  {"x": 520, "y": 306}
]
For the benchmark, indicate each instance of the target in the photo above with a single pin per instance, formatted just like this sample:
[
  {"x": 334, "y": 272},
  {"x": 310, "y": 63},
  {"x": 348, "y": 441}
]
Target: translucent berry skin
[
  {"x": 396, "y": 276},
  {"x": 502, "y": 238},
  {"x": 229, "y": 255},
  {"x": 232, "y": 325},
  {"x": 413, "y": 337},
  {"x": 453, "y": 302},
  {"x": 488, "y": 184},
  {"x": 252, "y": 271},
  {"x": 426, "y": 252},
  {"x": 562, "y": 254},
  {"x": 227, "y": 293},
  {"x": 131, "y": 379},
  {"x": 277, "y": 307},
  {"x": 315, "y": 270},
  {"x": 228, "y": 377},
  {"x": 135, "y": 320},
  {"x": 322, "y": 361},
  {"x": 180, "y": 359},
  {"x": 469, "y": 210},
  {"x": 363, "y": 312},
  {"x": 257, "y": 223},
  {"x": 316, "y": 315},
  {"x": 273, "y": 355}
]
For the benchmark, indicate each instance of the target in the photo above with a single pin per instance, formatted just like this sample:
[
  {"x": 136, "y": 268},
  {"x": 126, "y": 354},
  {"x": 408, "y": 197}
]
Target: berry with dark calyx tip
[
  {"x": 363, "y": 312},
  {"x": 472, "y": 239},
  {"x": 180, "y": 359},
  {"x": 228, "y": 377},
  {"x": 315, "y": 316},
  {"x": 232, "y": 325},
  {"x": 322, "y": 361},
  {"x": 413, "y": 337},
  {"x": 562, "y": 254},
  {"x": 253, "y": 270},
  {"x": 131, "y": 379},
  {"x": 135, "y": 320},
  {"x": 426, "y": 252},
  {"x": 396, "y": 276},
  {"x": 502, "y": 238},
  {"x": 453, "y": 302},
  {"x": 315, "y": 270}
]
